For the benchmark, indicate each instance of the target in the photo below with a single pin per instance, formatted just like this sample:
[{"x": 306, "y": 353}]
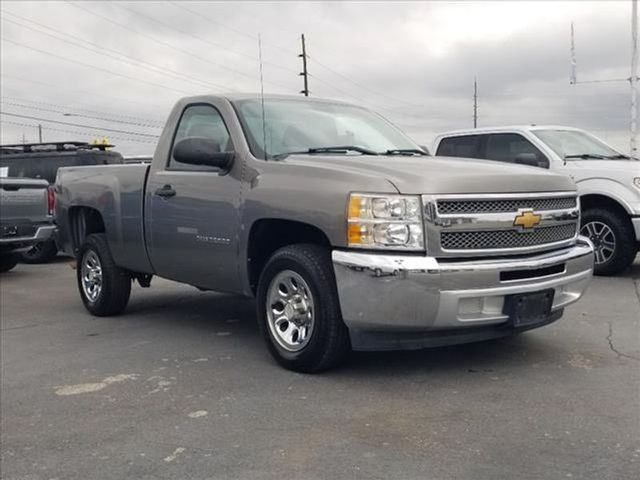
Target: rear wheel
[
  {"x": 613, "y": 240},
  {"x": 298, "y": 310},
  {"x": 41, "y": 252},
  {"x": 8, "y": 261},
  {"x": 104, "y": 287}
]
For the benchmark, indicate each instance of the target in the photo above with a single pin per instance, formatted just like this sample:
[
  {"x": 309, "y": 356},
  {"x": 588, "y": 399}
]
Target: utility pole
[
  {"x": 24, "y": 140},
  {"x": 40, "y": 132},
  {"x": 574, "y": 75},
  {"x": 475, "y": 102},
  {"x": 633, "y": 80},
  {"x": 304, "y": 72}
]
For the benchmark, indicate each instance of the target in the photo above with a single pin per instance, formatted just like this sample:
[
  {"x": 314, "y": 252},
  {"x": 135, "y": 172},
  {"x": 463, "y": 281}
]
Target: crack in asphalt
[{"x": 614, "y": 349}]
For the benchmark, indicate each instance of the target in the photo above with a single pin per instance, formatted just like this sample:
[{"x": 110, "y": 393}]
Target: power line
[
  {"x": 309, "y": 57},
  {"x": 158, "y": 122},
  {"x": 261, "y": 22},
  {"x": 76, "y": 132},
  {"x": 377, "y": 93},
  {"x": 29, "y": 117},
  {"x": 158, "y": 69},
  {"x": 204, "y": 40},
  {"x": 67, "y": 113},
  {"x": 226, "y": 26},
  {"x": 58, "y": 87},
  {"x": 166, "y": 44},
  {"x": 312, "y": 58},
  {"x": 366, "y": 102},
  {"x": 93, "y": 66}
]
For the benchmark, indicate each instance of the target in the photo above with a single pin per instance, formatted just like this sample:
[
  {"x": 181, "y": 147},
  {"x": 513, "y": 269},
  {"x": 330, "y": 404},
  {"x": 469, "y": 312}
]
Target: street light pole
[{"x": 633, "y": 80}]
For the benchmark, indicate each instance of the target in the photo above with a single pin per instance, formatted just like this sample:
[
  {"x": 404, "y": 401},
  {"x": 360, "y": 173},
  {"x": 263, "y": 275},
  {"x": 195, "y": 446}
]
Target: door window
[
  {"x": 505, "y": 147},
  {"x": 201, "y": 121},
  {"x": 464, "y": 146}
]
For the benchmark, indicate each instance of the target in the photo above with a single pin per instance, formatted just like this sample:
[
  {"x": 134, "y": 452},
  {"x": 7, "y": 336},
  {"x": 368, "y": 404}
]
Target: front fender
[{"x": 626, "y": 195}]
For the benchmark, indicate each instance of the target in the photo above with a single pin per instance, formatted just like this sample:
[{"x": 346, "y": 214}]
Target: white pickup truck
[{"x": 608, "y": 181}]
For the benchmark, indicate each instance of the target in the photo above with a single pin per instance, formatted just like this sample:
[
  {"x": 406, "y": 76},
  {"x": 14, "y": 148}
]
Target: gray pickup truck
[
  {"x": 26, "y": 217},
  {"x": 347, "y": 233}
]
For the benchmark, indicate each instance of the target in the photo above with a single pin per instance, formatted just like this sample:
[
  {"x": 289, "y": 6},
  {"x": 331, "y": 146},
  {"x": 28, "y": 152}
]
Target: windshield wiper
[
  {"x": 337, "y": 149},
  {"x": 619, "y": 157},
  {"x": 406, "y": 151},
  {"x": 586, "y": 156}
]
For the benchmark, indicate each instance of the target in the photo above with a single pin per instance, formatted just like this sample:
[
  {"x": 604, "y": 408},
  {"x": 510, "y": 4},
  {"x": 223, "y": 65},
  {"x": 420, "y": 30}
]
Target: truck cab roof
[{"x": 506, "y": 128}]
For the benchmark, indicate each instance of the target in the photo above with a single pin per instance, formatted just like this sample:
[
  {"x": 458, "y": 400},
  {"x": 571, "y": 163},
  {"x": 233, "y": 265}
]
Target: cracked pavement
[{"x": 181, "y": 386}]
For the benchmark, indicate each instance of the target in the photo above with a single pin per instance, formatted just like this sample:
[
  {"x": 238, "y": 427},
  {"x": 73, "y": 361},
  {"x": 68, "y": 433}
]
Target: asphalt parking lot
[{"x": 181, "y": 386}]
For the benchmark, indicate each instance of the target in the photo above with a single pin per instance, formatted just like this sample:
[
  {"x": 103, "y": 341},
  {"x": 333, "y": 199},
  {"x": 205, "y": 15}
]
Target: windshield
[
  {"x": 301, "y": 125},
  {"x": 577, "y": 144}
]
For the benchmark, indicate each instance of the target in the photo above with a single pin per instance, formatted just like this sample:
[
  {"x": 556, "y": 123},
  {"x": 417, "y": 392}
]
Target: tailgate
[{"x": 23, "y": 201}]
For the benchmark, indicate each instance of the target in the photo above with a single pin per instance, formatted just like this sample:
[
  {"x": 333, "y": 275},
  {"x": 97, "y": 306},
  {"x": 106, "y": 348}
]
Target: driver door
[{"x": 191, "y": 210}]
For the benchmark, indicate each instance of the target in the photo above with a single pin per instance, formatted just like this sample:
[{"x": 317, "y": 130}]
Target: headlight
[
  {"x": 636, "y": 182},
  {"x": 385, "y": 221}
]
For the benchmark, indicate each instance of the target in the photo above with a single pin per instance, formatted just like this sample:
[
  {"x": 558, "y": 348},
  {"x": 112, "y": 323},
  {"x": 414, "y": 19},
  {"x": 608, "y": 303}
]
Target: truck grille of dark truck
[
  {"x": 448, "y": 207},
  {"x": 481, "y": 240}
]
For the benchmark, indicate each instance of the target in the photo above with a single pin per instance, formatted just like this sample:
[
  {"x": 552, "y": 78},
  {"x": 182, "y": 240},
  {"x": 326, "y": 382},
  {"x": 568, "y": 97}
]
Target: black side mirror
[
  {"x": 531, "y": 159},
  {"x": 202, "y": 151}
]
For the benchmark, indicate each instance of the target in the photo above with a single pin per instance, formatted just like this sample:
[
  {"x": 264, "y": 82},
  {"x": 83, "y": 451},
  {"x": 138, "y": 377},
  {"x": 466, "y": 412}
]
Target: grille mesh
[
  {"x": 492, "y": 239},
  {"x": 507, "y": 205}
]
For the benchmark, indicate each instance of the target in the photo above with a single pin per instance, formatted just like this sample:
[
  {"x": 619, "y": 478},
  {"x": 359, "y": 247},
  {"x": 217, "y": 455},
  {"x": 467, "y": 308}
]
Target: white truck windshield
[{"x": 576, "y": 144}]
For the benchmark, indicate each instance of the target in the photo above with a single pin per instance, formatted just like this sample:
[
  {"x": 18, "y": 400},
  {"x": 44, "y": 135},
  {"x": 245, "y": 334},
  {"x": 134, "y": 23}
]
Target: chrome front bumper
[{"x": 406, "y": 293}]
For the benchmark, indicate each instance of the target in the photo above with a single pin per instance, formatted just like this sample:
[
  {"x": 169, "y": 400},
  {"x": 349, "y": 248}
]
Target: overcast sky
[{"x": 126, "y": 62}]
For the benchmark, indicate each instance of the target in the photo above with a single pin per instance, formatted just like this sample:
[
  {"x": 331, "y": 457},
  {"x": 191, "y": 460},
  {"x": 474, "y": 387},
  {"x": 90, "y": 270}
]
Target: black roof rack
[{"x": 51, "y": 147}]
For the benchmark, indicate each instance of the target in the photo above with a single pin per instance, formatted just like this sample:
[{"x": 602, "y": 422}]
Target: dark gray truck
[
  {"x": 26, "y": 217},
  {"x": 347, "y": 233},
  {"x": 41, "y": 161}
]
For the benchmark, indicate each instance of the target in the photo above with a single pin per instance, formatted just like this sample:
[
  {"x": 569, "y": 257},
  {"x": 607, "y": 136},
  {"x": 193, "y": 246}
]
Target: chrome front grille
[
  {"x": 482, "y": 224},
  {"x": 448, "y": 207},
  {"x": 490, "y": 239}
]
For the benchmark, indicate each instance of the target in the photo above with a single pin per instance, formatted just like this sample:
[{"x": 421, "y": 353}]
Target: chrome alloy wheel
[
  {"x": 603, "y": 238},
  {"x": 290, "y": 310},
  {"x": 91, "y": 275}
]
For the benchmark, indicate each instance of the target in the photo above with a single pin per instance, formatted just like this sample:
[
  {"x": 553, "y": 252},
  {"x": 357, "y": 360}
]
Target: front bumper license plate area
[{"x": 529, "y": 308}]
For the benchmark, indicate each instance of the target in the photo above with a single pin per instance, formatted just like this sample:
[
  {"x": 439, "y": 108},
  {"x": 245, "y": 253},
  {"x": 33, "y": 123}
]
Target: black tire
[
  {"x": 115, "y": 282},
  {"x": 328, "y": 344},
  {"x": 625, "y": 248},
  {"x": 8, "y": 261},
  {"x": 41, "y": 252}
]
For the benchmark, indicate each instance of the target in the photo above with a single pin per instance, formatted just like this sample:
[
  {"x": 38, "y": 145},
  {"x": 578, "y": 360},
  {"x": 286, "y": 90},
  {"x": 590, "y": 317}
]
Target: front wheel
[
  {"x": 613, "y": 240},
  {"x": 104, "y": 287},
  {"x": 299, "y": 312}
]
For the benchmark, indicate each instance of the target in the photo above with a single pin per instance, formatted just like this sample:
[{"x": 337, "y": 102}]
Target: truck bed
[{"x": 117, "y": 192}]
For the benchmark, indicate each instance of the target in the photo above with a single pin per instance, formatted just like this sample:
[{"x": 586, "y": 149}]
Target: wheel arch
[
  {"x": 598, "y": 200},
  {"x": 267, "y": 235},
  {"x": 84, "y": 221}
]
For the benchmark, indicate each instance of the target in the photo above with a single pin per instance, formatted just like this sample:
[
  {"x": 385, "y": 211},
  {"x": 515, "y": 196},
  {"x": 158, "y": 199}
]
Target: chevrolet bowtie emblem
[{"x": 527, "y": 220}]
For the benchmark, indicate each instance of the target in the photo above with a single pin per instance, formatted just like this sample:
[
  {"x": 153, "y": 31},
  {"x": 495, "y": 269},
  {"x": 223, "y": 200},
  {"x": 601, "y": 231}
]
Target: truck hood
[
  {"x": 442, "y": 175},
  {"x": 606, "y": 167}
]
